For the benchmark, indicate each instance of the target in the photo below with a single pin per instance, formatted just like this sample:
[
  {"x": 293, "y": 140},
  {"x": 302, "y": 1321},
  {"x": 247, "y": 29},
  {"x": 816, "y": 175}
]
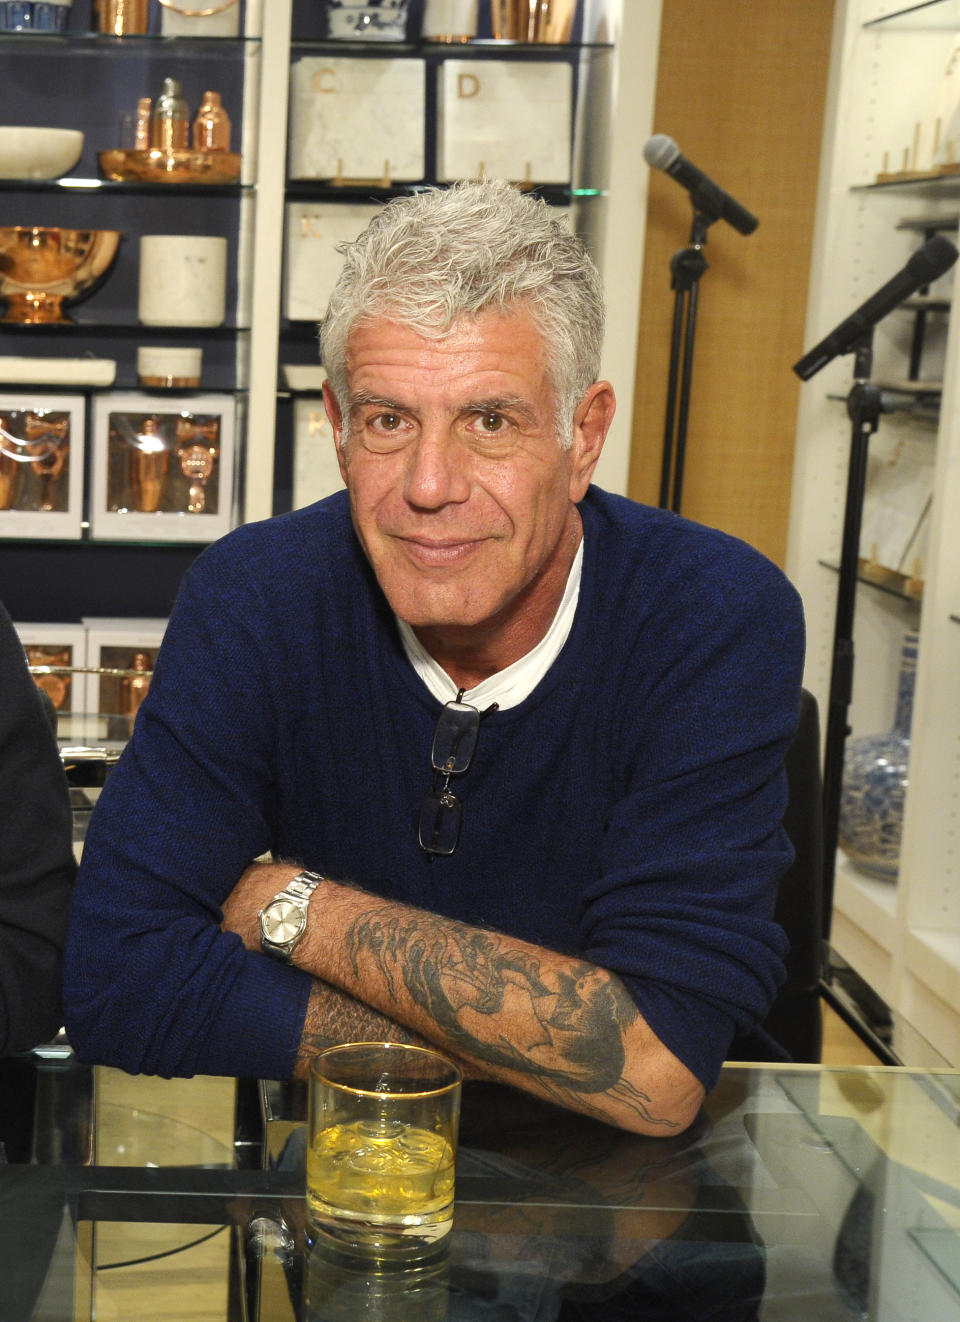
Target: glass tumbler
[{"x": 382, "y": 1142}]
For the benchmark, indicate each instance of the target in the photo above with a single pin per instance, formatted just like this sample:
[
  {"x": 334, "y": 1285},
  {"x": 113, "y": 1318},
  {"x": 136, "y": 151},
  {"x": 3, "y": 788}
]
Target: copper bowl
[{"x": 41, "y": 268}]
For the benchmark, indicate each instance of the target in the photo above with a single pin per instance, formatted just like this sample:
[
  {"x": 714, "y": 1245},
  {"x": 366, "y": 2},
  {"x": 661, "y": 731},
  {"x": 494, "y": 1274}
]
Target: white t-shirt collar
[{"x": 508, "y": 687}]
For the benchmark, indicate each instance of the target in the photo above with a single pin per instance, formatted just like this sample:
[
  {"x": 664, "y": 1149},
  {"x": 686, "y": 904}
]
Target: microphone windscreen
[
  {"x": 660, "y": 152},
  {"x": 936, "y": 256}
]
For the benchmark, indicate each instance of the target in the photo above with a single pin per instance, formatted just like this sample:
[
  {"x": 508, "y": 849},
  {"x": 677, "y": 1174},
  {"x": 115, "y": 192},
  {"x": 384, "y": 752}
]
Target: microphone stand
[
  {"x": 686, "y": 268},
  {"x": 864, "y": 407}
]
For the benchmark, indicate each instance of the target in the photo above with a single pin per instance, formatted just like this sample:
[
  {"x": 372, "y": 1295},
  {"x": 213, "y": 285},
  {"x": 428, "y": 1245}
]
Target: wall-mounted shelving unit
[
  {"x": 87, "y": 79},
  {"x": 902, "y": 938}
]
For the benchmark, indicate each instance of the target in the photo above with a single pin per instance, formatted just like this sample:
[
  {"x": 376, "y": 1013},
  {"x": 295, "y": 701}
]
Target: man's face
[{"x": 461, "y": 495}]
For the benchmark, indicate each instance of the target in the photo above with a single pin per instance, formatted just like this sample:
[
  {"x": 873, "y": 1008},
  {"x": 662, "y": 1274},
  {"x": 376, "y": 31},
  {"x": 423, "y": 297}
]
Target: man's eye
[
  {"x": 492, "y": 422},
  {"x": 387, "y": 421}
]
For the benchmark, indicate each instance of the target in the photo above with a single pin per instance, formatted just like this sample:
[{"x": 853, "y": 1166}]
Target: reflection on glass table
[
  {"x": 800, "y": 1193},
  {"x": 160, "y": 1124}
]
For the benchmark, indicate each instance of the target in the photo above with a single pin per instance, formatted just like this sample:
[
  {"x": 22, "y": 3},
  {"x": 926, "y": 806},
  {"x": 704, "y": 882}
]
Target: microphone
[
  {"x": 662, "y": 153},
  {"x": 927, "y": 263}
]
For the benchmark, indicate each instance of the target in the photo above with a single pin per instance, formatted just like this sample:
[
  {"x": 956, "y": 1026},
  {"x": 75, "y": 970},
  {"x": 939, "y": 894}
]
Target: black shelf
[
  {"x": 121, "y": 386},
  {"x": 930, "y": 225},
  {"x": 82, "y": 185},
  {"x": 889, "y": 589},
  {"x": 481, "y": 47},
  {"x": 930, "y": 185},
  {"x": 320, "y": 190},
  {"x": 118, "y": 325},
  {"x": 88, "y": 42},
  {"x": 926, "y": 303}
]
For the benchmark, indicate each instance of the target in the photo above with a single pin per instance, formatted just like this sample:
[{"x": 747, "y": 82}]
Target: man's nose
[{"x": 437, "y": 473}]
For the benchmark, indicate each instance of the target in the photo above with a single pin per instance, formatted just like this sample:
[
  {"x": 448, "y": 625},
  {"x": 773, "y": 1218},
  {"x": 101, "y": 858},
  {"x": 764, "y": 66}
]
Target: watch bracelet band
[{"x": 301, "y": 887}]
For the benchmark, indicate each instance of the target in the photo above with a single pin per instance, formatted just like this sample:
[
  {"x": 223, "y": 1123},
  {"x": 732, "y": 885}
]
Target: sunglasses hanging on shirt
[{"x": 454, "y": 743}]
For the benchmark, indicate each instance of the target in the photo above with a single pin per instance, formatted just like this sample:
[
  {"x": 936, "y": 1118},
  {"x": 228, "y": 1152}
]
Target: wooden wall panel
[{"x": 740, "y": 88}]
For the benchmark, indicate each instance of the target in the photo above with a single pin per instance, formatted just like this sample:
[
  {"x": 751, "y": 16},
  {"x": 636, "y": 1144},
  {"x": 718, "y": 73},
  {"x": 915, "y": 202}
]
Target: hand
[{"x": 255, "y": 889}]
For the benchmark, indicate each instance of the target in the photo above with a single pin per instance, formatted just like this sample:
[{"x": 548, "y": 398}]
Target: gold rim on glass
[{"x": 401, "y": 1048}]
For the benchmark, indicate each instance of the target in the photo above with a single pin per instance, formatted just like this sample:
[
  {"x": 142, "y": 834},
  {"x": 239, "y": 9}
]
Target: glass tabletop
[{"x": 799, "y": 1192}]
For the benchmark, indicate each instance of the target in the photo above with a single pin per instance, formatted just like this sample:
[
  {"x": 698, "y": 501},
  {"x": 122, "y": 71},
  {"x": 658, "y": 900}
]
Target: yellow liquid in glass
[{"x": 382, "y": 1172}]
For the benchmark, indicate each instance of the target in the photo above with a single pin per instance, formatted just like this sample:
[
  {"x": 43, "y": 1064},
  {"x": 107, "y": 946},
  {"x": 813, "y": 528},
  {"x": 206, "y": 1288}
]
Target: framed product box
[
  {"x": 316, "y": 472},
  {"x": 896, "y": 506},
  {"x": 357, "y": 119},
  {"x": 313, "y": 232},
  {"x": 504, "y": 119},
  {"x": 940, "y": 132},
  {"x": 41, "y": 465},
  {"x": 162, "y": 471},
  {"x": 125, "y": 651},
  {"x": 58, "y": 646}
]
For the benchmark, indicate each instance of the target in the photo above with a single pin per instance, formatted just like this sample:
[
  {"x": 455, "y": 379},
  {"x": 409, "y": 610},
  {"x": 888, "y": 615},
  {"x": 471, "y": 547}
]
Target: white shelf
[
  {"x": 934, "y": 957},
  {"x": 867, "y": 902}
]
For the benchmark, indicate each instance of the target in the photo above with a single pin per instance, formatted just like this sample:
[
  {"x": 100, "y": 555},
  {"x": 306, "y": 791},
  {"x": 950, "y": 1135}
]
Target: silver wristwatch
[{"x": 284, "y": 920}]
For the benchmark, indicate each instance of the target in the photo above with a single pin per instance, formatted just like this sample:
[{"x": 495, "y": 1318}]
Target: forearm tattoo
[{"x": 565, "y": 1026}]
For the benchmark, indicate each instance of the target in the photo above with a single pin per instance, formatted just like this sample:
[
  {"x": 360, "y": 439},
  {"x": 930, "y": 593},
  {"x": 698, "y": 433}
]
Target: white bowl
[{"x": 36, "y": 153}]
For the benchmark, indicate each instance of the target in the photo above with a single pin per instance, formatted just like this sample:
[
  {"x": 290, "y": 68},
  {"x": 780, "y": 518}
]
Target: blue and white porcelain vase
[
  {"x": 875, "y": 783},
  {"x": 372, "y": 20}
]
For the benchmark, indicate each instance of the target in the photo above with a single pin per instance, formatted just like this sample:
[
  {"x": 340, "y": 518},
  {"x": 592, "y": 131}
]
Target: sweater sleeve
[
  {"x": 152, "y": 983},
  {"x": 36, "y": 856},
  {"x": 694, "y": 848}
]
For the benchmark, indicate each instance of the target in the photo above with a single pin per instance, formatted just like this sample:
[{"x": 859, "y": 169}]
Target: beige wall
[{"x": 740, "y": 88}]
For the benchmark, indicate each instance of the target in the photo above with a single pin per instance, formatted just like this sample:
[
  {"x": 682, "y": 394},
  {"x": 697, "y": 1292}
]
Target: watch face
[{"x": 282, "y": 922}]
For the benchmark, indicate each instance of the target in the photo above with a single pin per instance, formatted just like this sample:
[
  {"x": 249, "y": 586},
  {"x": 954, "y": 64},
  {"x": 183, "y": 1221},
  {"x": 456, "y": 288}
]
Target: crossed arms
[{"x": 558, "y": 1027}]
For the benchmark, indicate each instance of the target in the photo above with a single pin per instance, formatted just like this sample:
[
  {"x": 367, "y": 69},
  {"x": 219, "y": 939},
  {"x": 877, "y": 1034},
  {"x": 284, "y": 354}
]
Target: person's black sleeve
[{"x": 36, "y": 856}]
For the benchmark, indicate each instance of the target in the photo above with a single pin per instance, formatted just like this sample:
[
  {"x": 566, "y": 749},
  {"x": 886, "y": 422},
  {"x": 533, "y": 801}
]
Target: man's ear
[
  {"x": 335, "y": 418},
  {"x": 591, "y": 422}
]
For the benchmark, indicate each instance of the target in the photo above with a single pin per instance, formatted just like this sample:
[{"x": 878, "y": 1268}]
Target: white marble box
[
  {"x": 357, "y": 119},
  {"x": 41, "y": 465},
  {"x": 163, "y": 468},
  {"x": 896, "y": 503},
  {"x": 314, "y": 229},
  {"x": 316, "y": 473},
  {"x": 503, "y": 119}
]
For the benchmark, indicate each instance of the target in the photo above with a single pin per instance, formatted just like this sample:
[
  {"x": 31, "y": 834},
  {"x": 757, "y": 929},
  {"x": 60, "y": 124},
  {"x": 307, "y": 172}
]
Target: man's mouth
[{"x": 440, "y": 551}]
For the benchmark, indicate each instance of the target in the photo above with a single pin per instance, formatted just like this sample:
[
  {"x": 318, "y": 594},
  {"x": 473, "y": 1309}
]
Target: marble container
[
  {"x": 449, "y": 20},
  {"x": 183, "y": 280},
  {"x": 169, "y": 366}
]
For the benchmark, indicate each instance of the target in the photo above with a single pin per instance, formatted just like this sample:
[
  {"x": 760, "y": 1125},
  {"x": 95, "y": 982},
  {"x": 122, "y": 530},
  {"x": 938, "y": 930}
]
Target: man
[{"x": 523, "y": 740}]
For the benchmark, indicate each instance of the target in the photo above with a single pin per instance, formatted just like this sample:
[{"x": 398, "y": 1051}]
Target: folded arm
[{"x": 554, "y": 1025}]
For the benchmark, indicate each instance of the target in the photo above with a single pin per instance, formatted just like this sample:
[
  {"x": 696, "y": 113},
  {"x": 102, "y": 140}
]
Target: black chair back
[{"x": 795, "y": 1019}]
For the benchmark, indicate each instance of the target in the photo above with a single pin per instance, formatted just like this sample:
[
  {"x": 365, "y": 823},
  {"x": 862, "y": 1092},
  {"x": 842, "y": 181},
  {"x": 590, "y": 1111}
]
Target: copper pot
[{"x": 41, "y": 268}]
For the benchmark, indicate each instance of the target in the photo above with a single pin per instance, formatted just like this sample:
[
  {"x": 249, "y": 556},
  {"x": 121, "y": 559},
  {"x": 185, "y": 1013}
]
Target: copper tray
[{"x": 181, "y": 166}]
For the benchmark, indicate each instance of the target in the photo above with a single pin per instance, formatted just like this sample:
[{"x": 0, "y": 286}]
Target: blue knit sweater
[{"x": 627, "y": 811}]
